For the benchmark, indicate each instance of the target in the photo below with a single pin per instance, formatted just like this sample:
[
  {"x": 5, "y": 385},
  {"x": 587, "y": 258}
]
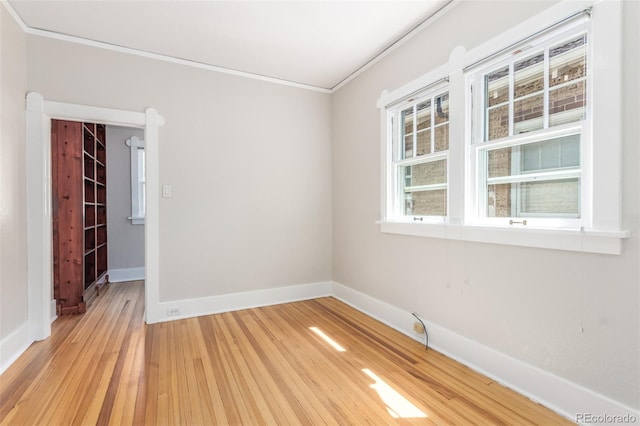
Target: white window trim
[
  {"x": 136, "y": 146},
  {"x": 604, "y": 233},
  {"x": 477, "y": 143},
  {"x": 396, "y": 206}
]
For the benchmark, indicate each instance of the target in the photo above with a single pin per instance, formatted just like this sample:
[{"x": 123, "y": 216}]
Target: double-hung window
[
  {"x": 420, "y": 146},
  {"x": 530, "y": 124}
]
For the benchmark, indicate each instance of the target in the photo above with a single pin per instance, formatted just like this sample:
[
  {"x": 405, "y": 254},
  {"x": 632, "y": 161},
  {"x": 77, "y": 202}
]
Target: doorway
[{"x": 39, "y": 221}]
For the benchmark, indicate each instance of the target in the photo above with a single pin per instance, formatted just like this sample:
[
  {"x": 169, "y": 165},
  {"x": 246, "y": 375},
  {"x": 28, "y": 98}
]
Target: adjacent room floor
[{"x": 311, "y": 362}]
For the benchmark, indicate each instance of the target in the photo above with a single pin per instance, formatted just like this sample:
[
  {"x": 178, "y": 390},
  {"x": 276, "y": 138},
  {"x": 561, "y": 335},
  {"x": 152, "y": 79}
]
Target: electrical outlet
[
  {"x": 417, "y": 327},
  {"x": 173, "y": 311}
]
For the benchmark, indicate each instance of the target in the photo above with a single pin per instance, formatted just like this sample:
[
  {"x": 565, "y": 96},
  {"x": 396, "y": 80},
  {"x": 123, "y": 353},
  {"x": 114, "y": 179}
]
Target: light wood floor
[{"x": 251, "y": 367}]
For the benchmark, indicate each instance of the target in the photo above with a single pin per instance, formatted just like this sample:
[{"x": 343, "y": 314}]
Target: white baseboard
[
  {"x": 53, "y": 310},
  {"x": 188, "y": 308},
  {"x": 13, "y": 345},
  {"x": 560, "y": 395},
  {"x": 128, "y": 274}
]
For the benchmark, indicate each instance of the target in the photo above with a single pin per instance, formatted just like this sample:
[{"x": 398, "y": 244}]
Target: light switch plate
[{"x": 166, "y": 191}]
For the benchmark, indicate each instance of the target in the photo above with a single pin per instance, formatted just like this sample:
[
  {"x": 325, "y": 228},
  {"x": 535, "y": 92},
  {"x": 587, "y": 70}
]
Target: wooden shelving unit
[{"x": 79, "y": 177}]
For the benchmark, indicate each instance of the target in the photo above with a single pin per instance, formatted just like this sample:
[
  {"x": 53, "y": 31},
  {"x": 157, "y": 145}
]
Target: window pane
[
  {"x": 426, "y": 203},
  {"x": 530, "y": 157},
  {"x": 499, "y": 162},
  {"x": 499, "y": 200},
  {"x": 407, "y": 132},
  {"x": 408, "y": 146},
  {"x": 551, "y": 197},
  {"x": 141, "y": 165},
  {"x": 549, "y": 155},
  {"x": 405, "y": 175},
  {"x": 557, "y": 153},
  {"x": 567, "y": 104},
  {"x": 424, "y": 115},
  {"x": 142, "y": 199},
  {"x": 424, "y": 142},
  {"x": 529, "y": 76},
  {"x": 424, "y": 128},
  {"x": 534, "y": 199},
  {"x": 527, "y": 114},
  {"x": 442, "y": 137},
  {"x": 498, "y": 122},
  {"x": 430, "y": 173},
  {"x": 497, "y": 84},
  {"x": 570, "y": 151},
  {"x": 442, "y": 108},
  {"x": 568, "y": 61},
  {"x": 407, "y": 120}
]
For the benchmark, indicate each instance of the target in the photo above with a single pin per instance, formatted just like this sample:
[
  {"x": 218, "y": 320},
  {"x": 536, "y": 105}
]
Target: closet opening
[
  {"x": 39, "y": 115},
  {"x": 98, "y": 209}
]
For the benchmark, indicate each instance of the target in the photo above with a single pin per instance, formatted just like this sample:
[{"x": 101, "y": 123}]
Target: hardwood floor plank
[
  {"x": 125, "y": 359},
  {"x": 147, "y": 363},
  {"x": 263, "y": 366},
  {"x": 122, "y": 409},
  {"x": 218, "y": 384}
]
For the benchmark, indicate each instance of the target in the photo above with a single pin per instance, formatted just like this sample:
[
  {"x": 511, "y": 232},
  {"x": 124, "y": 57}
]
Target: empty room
[{"x": 319, "y": 212}]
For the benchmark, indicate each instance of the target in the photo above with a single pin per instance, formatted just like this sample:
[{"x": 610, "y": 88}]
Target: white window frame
[
  {"x": 136, "y": 146},
  {"x": 395, "y": 209},
  {"x": 479, "y": 144},
  {"x": 600, "y": 228}
]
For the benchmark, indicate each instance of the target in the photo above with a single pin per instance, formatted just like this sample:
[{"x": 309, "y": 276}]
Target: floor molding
[
  {"x": 188, "y": 308},
  {"x": 13, "y": 345},
  {"x": 127, "y": 274},
  {"x": 53, "y": 311},
  {"x": 560, "y": 395}
]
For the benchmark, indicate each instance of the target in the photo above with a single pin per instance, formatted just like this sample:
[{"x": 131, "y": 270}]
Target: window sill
[
  {"x": 557, "y": 239},
  {"x": 136, "y": 220}
]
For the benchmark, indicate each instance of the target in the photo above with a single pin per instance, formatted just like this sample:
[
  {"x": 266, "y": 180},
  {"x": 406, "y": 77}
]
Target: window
[
  {"x": 420, "y": 145},
  {"x": 516, "y": 141},
  {"x": 532, "y": 109},
  {"x": 137, "y": 180}
]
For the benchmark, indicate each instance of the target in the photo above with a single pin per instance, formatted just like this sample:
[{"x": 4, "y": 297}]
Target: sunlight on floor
[
  {"x": 327, "y": 339},
  {"x": 397, "y": 405}
]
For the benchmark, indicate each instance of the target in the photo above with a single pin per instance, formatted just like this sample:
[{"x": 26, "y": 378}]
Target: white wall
[
  {"x": 526, "y": 303},
  {"x": 125, "y": 241},
  {"x": 248, "y": 161},
  {"x": 13, "y": 205}
]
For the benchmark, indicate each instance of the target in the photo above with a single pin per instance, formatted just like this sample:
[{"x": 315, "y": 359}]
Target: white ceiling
[{"x": 315, "y": 43}]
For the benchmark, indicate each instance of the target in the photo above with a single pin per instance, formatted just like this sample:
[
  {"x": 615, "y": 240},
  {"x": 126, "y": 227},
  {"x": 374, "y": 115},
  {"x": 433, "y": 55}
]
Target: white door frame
[{"x": 39, "y": 222}]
